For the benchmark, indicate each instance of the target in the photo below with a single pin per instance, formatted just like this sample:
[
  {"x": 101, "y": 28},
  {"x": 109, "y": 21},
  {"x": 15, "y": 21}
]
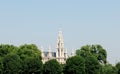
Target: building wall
[{"x": 60, "y": 55}]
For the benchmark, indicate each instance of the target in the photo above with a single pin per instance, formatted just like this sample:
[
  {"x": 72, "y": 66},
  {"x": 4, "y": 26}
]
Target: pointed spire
[
  {"x": 42, "y": 51},
  {"x": 72, "y": 53},
  {"x": 66, "y": 56},
  {"x": 60, "y": 48},
  {"x": 49, "y": 51},
  {"x": 41, "y": 48},
  {"x": 60, "y": 39},
  {"x": 60, "y": 29},
  {"x": 65, "y": 50}
]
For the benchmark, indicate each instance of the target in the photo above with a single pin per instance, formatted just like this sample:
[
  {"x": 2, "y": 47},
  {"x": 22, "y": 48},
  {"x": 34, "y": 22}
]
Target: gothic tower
[{"x": 60, "y": 54}]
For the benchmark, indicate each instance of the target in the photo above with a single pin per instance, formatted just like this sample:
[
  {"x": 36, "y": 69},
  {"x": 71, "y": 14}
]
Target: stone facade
[{"x": 60, "y": 55}]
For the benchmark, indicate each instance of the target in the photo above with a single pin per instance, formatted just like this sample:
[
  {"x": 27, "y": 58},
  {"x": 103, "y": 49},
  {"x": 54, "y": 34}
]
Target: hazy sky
[{"x": 82, "y": 22}]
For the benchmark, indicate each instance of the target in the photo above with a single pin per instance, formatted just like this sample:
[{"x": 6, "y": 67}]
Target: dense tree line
[{"x": 26, "y": 59}]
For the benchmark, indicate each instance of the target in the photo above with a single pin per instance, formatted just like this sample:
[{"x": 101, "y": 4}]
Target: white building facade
[{"x": 60, "y": 55}]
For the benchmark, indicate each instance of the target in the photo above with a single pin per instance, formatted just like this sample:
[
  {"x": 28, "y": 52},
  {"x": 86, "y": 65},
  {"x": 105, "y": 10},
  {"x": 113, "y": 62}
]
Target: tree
[
  {"x": 1, "y": 66},
  {"x": 118, "y": 67},
  {"x": 29, "y": 50},
  {"x": 32, "y": 66},
  {"x": 92, "y": 66},
  {"x": 75, "y": 65},
  {"x": 93, "y": 50},
  {"x": 11, "y": 64},
  {"x": 109, "y": 69},
  {"x": 52, "y": 67},
  {"x": 31, "y": 59},
  {"x": 7, "y": 49}
]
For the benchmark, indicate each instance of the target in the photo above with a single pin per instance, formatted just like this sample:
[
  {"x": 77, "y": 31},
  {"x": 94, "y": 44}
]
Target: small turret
[
  {"x": 72, "y": 53},
  {"x": 49, "y": 52},
  {"x": 66, "y": 56},
  {"x": 42, "y": 51}
]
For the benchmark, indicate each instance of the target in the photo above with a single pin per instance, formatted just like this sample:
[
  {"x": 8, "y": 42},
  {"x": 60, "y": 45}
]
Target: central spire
[
  {"x": 60, "y": 37},
  {"x": 60, "y": 47}
]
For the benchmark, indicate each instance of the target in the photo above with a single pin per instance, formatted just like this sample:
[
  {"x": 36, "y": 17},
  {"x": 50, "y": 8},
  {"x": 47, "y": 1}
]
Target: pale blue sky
[{"x": 82, "y": 21}]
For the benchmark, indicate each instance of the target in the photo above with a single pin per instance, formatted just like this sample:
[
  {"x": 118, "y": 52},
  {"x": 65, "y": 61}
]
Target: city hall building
[{"x": 60, "y": 55}]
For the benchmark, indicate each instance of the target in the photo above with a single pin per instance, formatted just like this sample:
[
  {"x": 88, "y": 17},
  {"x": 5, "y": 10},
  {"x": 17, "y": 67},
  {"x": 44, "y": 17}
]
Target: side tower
[{"x": 60, "y": 54}]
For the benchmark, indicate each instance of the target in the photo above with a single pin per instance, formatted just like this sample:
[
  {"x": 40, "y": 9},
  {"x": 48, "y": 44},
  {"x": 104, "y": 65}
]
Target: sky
[{"x": 82, "y": 22}]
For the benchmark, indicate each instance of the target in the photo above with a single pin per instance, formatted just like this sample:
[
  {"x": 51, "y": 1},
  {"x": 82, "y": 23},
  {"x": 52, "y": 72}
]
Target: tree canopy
[
  {"x": 75, "y": 65},
  {"x": 52, "y": 67},
  {"x": 92, "y": 66},
  {"x": 109, "y": 69},
  {"x": 118, "y": 67},
  {"x": 12, "y": 64},
  {"x": 31, "y": 59},
  {"x": 93, "y": 50},
  {"x": 25, "y": 59}
]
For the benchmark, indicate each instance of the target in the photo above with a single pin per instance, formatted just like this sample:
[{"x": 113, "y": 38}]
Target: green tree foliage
[
  {"x": 11, "y": 64},
  {"x": 109, "y": 69},
  {"x": 92, "y": 66},
  {"x": 1, "y": 66},
  {"x": 118, "y": 67},
  {"x": 29, "y": 50},
  {"x": 75, "y": 65},
  {"x": 52, "y": 67},
  {"x": 93, "y": 50},
  {"x": 31, "y": 59},
  {"x": 32, "y": 66},
  {"x": 25, "y": 59},
  {"x": 7, "y": 49}
]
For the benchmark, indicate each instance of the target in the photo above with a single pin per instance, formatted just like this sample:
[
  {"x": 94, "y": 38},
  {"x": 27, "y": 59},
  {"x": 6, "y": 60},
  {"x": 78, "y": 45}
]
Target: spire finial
[
  {"x": 49, "y": 49},
  {"x": 60, "y": 29},
  {"x": 41, "y": 48},
  {"x": 65, "y": 50},
  {"x": 72, "y": 53}
]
